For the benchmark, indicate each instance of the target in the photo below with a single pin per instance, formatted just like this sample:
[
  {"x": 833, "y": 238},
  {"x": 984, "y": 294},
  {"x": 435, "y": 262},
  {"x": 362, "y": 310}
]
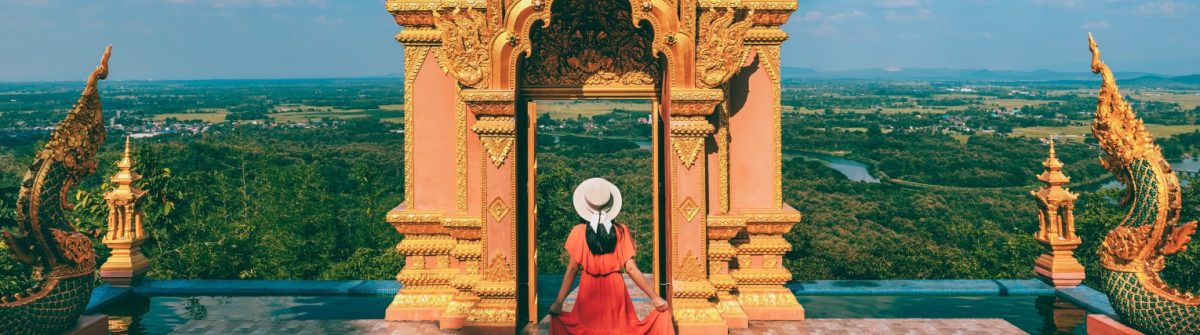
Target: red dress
[{"x": 603, "y": 305}]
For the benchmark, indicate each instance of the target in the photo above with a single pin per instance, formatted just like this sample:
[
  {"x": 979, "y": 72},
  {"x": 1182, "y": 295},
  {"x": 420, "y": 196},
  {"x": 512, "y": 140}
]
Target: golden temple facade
[{"x": 472, "y": 71}]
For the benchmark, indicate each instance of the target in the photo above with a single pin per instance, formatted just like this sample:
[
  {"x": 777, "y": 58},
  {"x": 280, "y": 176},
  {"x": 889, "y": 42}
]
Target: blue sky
[{"x": 203, "y": 39}]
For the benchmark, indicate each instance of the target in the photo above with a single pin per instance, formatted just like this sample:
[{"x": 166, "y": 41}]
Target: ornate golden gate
[{"x": 713, "y": 70}]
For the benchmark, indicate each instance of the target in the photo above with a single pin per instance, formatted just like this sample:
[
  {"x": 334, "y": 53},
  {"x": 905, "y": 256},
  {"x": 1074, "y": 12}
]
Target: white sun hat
[{"x": 598, "y": 201}]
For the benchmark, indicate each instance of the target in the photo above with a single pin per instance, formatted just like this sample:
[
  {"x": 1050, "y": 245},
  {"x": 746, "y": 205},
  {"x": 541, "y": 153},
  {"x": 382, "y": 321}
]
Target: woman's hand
[
  {"x": 556, "y": 308},
  {"x": 660, "y": 304}
]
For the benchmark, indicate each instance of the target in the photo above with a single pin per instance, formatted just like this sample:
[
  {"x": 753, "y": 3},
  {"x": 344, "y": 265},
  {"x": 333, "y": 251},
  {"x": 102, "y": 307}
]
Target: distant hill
[
  {"x": 947, "y": 74},
  {"x": 1132, "y": 79}
]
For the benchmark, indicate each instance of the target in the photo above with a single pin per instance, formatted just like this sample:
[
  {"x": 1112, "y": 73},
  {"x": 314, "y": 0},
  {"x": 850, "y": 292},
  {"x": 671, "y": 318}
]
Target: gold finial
[
  {"x": 1052, "y": 156},
  {"x": 127, "y": 159}
]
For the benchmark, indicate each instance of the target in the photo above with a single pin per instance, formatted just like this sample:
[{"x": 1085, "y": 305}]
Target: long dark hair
[{"x": 602, "y": 241}]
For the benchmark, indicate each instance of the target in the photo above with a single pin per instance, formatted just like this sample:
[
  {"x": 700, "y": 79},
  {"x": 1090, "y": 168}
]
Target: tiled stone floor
[
  {"x": 309, "y": 327},
  {"x": 881, "y": 326},
  {"x": 811, "y": 326},
  {"x": 641, "y": 304}
]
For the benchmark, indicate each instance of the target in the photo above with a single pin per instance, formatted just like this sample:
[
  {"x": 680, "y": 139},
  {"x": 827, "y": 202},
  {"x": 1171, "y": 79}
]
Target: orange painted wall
[
  {"x": 433, "y": 151},
  {"x": 752, "y": 140}
]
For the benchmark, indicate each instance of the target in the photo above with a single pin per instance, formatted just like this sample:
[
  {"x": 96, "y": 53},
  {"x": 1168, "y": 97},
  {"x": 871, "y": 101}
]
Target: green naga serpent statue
[
  {"x": 63, "y": 260},
  {"x": 1132, "y": 254}
]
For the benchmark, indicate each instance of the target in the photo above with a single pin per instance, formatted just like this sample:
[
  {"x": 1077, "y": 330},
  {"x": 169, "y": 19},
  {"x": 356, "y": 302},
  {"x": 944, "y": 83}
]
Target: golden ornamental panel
[
  {"x": 591, "y": 43},
  {"x": 688, "y": 149},
  {"x": 466, "y": 45},
  {"x": 720, "y": 52},
  {"x": 498, "y": 209},
  {"x": 690, "y": 269},
  {"x": 497, "y": 148}
]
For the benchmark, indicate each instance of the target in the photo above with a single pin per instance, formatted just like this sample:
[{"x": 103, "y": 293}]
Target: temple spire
[
  {"x": 125, "y": 232},
  {"x": 1053, "y": 176},
  {"x": 1056, "y": 232}
]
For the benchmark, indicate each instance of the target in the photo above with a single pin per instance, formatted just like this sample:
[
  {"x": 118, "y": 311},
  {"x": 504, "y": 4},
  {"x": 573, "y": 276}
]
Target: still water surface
[{"x": 160, "y": 315}]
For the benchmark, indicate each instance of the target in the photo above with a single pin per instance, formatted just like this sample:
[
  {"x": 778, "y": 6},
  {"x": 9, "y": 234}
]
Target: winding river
[
  {"x": 852, "y": 169},
  {"x": 861, "y": 172}
]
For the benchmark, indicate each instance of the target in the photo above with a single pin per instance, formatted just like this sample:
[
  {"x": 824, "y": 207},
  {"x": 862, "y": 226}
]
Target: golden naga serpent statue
[
  {"x": 63, "y": 260},
  {"x": 1132, "y": 254}
]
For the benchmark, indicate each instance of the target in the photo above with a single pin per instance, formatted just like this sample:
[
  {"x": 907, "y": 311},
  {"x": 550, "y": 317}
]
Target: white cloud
[
  {"x": 1167, "y": 8},
  {"x": 827, "y": 24}
]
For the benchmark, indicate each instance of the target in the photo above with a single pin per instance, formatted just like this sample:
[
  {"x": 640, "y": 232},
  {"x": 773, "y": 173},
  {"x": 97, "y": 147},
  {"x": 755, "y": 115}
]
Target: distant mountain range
[{"x": 1127, "y": 78}]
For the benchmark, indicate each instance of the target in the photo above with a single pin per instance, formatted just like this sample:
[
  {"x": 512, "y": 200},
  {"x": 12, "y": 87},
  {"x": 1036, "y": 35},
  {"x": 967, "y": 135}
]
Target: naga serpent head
[
  {"x": 45, "y": 237},
  {"x": 1150, "y": 231}
]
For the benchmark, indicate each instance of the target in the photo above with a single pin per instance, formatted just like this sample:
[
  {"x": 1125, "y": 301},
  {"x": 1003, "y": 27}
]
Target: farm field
[
  {"x": 1079, "y": 132},
  {"x": 329, "y": 113},
  {"x": 566, "y": 109},
  {"x": 211, "y": 116},
  {"x": 1186, "y": 100}
]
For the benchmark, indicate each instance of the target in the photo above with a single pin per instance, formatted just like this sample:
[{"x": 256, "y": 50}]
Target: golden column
[
  {"x": 761, "y": 275},
  {"x": 466, "y": 231},
  {"x": 427, "y": 246},
  {"x": 425, "y": 279},
  {"x": 495, "y": 110},
  {"x": 125, "y": 232},
  {"x": 1056, "y": 227},
  {"x": 690, "y": 130},
  {"x": 759, "y": 270},
  {"x": 722, "y": 229}
]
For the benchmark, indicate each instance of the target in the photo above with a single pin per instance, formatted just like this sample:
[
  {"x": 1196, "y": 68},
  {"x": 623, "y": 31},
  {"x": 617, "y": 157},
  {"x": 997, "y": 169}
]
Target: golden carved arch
[
  {"x": 514, "y": 41},
  {"x": 480, "y": 42},
  {"x": 591, "y": 43},
  {"x": 687, "y": 51}
]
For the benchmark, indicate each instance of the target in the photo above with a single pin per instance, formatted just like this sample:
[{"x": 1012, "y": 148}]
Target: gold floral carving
[
  {"x": 498, "y": 269},
  {"x": 765, "y": 36},
  {"x": 695, "y": 102},
  {"x": 460, "y": 152},
  {"x": 687, "y": 16},
  {"x": 497, "y": 148},
  {"x": 422, "y": 298},
  {"x": 722, "y": 139},
  {"x": 689, "y": 209},
  {"x": 687, "y": 149},
  {"x": 770, "y": 5},
  {"x": 773, "y": 298},
  {"x": 413, "y": 20},
  {"x": 466, "y": 45},
  {"x": 494, "y": 311},
  {"x": 704, "y": 313},
  {"x": 498, "y": 209},
  {"x": 591, "y": 43},
  {"x": 720, "y": 52},
  {"x": 495, "y": 126},
  {"x": 694, "y": 126},
  {"x": 690, "y": 269},
  {"x": 496, "y": 105}
]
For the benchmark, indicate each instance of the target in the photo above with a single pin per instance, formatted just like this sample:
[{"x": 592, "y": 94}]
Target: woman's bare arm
[
  {"x": 640, "y": 280},
  {"x": 568, "y": 279}
]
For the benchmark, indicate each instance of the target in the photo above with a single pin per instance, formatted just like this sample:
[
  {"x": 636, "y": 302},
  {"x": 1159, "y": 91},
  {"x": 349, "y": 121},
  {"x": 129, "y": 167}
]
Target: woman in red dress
[{"x": 602, "y": 249}]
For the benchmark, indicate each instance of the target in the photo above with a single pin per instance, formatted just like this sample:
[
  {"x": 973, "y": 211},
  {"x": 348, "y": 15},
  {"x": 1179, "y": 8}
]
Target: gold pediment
[{"x": 591, "y": 43}]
